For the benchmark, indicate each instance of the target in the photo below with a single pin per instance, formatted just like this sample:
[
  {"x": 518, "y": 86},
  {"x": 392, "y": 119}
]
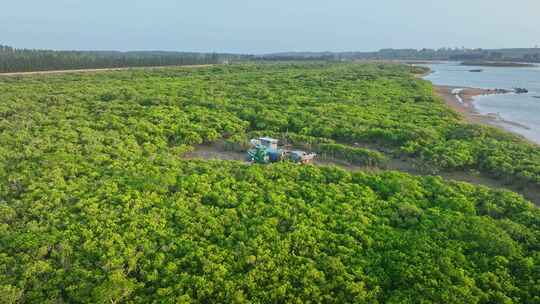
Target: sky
[{"x": 257, "y": 27}]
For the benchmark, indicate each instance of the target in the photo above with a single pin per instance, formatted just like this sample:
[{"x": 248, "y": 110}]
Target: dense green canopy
[
  {"x": 98, "y": 205},
  {"x": 373, "y": 104},
  {"x": 166, "y": 231}
]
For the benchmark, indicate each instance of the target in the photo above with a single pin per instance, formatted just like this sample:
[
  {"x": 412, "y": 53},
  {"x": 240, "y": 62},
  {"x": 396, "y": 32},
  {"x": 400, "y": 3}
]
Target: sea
[{"x": 523, "y": 110}]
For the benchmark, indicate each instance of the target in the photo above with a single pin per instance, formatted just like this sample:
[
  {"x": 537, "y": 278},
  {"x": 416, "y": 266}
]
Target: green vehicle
[
  {"x": 266, "y": 151},
  {"x": 259, "y": 155}
]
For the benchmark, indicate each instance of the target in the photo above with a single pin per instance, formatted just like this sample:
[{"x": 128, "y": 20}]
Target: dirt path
[
  {"x": 101, "y": 70},
  {"x": 216, "y": 152}
]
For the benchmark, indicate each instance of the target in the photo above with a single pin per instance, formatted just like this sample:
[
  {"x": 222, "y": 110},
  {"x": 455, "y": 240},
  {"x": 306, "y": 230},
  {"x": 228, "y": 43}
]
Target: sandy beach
[
  {"x": 462, "y": 101},
  {"x": 510, "y": 103}
]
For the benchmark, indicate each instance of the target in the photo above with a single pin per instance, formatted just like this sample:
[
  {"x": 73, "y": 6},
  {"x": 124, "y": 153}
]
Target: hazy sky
[{"x": 254, "y": 26}]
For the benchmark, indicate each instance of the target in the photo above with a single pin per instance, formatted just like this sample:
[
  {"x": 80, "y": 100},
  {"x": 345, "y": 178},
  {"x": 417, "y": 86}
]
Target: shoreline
[{"x": 461, "y": 99}]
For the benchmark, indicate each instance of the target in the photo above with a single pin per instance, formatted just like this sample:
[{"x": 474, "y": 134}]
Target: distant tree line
[
  {"x": 518, "y": 55},
  {"x": 26, "y": 60}
]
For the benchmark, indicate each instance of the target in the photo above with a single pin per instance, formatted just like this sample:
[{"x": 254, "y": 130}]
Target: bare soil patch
[{"x": 99, "y": 70}]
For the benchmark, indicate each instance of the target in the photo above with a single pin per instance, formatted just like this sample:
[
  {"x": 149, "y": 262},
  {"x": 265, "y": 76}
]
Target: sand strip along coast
[{"x": 462, "y": 101}]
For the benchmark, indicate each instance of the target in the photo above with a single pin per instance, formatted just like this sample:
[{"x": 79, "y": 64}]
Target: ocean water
[{"x": 523, "y": 109}]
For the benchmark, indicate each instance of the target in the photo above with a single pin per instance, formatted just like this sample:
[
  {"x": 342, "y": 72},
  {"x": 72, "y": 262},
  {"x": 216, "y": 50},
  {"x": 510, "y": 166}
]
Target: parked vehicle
[{"x": 266, "y": 150}]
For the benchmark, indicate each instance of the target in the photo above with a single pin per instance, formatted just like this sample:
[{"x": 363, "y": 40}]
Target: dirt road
[
  {"x": 216, "y": 152},
  {"x": 101, "y": 70}
]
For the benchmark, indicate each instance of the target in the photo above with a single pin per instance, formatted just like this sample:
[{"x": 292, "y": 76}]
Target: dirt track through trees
[
  {"x": 101, "y": 70},
  {"x": 216, "y": 152}
]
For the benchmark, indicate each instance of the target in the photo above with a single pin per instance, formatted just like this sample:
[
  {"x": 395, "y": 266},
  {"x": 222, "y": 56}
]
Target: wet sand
[{"x": 462, "y": 101}]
